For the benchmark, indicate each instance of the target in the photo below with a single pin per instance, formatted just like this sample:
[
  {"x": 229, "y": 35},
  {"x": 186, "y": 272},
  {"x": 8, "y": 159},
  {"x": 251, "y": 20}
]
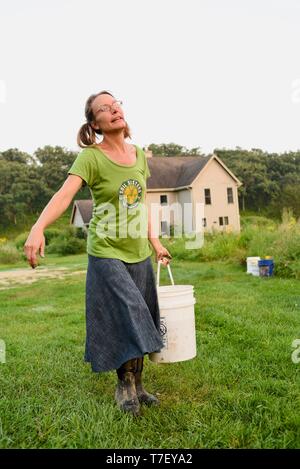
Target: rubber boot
[
  {"x": 143, "y": 396},
  {"x": 125, "y": 393}
]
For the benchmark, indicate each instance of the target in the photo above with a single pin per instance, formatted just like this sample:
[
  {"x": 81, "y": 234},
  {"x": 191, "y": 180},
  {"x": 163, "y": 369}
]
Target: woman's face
[{"x": 108, "y": 120}]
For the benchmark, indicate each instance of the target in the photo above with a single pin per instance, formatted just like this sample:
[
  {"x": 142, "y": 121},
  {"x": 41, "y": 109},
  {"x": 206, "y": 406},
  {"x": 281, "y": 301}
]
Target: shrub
[
  {"x": 70, "y": 240},
  {"x": 9, "y": 253},
  {"x": 51, "y": 233},
  {"x": 284, "y": 269},
  {"x": 257, "y": 221},
  {"x": 20, "y": 240},
  {"x": 246, "y": 236},
  {"x": 67, "y": 242},
  {"x": 80, "y": 233},
  {"x": 68, "y": 231},
  {"x": 64, "y": 246}
]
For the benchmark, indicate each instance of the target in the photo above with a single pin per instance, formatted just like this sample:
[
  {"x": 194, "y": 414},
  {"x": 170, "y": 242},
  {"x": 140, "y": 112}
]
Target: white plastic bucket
[
  {"x": 177, "y": 322},
  {"x": 252, "y": 265}
]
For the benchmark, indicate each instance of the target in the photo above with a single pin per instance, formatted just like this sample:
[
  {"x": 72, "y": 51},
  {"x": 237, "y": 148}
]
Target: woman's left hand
[{"x": 162, "y": 254}]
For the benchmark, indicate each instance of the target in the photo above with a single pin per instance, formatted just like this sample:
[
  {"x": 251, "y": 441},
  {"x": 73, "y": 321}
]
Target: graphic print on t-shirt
[{"x": 130, "y": 193}]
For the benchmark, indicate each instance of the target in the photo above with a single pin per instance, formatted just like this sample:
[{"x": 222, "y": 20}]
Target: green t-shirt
[{"x": 119, "y": 223}]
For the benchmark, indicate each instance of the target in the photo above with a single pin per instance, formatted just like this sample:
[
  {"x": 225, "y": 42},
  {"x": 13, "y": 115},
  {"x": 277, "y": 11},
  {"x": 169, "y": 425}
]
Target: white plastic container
[
  {"x": 177, "y": 322},
  {"x": 252, "y": 266}
]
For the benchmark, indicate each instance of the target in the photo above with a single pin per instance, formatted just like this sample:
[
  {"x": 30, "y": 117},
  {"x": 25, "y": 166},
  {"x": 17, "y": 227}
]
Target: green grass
[
  {"x": 242, "y": 390},
  {"x": 51, "y": 260}
]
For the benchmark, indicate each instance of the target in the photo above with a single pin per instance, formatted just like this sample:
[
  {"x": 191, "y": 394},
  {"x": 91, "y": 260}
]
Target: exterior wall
[
  {"x": 154, "y": 198},
  {"x": 215, "y": 178},
  {"x": 78, "y": 221}
]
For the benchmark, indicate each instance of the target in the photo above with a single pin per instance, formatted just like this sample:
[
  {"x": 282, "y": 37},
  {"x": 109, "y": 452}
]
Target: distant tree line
[
  {"x": 271, "y": 181},
  {"x": 27, "y": 182}
]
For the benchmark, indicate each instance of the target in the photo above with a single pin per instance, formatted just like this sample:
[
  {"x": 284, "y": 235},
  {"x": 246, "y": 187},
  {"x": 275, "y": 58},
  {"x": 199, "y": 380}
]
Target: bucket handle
[{"x": 158, "y": 273}]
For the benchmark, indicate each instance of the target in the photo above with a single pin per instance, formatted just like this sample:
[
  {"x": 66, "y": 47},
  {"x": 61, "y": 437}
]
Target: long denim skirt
[{"x": 122, "y": 312}]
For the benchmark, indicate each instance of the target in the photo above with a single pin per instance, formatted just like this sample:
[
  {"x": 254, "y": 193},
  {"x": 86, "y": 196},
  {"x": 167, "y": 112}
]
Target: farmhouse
[{"x": 184, "y": 182}]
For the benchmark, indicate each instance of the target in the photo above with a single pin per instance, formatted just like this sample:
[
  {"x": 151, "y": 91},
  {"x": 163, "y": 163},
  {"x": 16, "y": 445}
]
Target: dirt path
[{"x": 12, "y": 277}]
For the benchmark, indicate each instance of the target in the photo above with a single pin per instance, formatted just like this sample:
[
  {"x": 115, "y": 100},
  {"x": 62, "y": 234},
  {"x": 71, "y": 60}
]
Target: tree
[
  {"x": 54, "y": 163},
  {"x": 173, "y": 149}
]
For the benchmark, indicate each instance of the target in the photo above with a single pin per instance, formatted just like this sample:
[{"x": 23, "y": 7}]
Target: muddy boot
[
  {"x": 142, "y": 394},
  {"x": 125, "y": 394}
]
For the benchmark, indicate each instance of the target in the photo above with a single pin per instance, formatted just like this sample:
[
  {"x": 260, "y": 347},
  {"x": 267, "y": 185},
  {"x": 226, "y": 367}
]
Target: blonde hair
[{"x": 87, "y": 135}]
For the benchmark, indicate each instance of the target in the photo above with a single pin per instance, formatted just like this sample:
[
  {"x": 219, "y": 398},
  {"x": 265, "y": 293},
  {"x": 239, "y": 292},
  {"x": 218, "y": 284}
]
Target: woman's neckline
[{"x": 119, "y": 164}]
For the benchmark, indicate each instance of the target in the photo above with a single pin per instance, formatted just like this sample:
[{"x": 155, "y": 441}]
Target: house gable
[
  {"x": 217, "y": 180},
  {"x": 215, "y": 173}
]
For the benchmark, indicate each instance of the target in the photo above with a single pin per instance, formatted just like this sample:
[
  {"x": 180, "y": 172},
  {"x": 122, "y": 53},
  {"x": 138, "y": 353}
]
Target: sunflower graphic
[{"x": 130, "y": 193}]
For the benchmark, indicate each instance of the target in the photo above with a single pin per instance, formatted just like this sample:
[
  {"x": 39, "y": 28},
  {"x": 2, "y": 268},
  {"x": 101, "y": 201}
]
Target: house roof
[
  {"x": 179, "y": 171},
  {"x": 175, "y": 171}
]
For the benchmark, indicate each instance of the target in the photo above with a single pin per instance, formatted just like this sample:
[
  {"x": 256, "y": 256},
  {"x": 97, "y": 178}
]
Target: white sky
[{"x": 207, "y": 73}]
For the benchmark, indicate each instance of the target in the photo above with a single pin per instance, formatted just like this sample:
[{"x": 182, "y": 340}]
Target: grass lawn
[{"x": 242, "y": 390}]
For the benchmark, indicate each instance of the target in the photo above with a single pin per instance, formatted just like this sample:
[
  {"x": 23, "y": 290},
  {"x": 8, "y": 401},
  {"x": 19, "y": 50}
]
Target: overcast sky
[{"x": 207, "y": 73}]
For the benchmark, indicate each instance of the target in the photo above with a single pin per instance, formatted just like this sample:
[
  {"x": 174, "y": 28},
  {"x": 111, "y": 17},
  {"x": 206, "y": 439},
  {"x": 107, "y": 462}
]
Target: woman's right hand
[
  {"x": 162, "y": 254},
  {"x": 34, "y": 243}
]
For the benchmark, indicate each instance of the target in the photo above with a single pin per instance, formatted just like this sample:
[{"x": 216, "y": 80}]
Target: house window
[
  {"x": 223, "y": 221},
  {"x": 163, "y": 199},
  {"x": 204, "y": 222},
  {"x": 229, "y": 195},
  {"x": 207, "y": 196}
]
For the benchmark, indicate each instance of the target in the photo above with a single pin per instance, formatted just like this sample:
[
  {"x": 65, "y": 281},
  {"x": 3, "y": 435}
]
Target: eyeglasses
[{"x": 109, "y": 107}]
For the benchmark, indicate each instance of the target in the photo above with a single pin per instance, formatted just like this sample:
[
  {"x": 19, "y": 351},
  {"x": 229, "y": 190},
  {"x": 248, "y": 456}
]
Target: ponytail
[{"x": 86, "y": 136}]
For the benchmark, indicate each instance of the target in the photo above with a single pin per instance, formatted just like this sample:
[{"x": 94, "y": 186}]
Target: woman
[{"x": 122, "y": 312}]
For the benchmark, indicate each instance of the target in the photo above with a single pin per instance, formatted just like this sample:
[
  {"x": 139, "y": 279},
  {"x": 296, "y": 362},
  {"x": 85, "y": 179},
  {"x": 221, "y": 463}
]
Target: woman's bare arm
[
  {"x": 59, "y": 202},
  {"x": 57, "y": 205}
]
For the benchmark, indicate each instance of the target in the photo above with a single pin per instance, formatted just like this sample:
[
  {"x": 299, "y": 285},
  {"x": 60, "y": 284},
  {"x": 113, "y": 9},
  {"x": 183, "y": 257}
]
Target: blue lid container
[
  {"x": 265, "y": 262},
  {"x": 266, "y": 267}
]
